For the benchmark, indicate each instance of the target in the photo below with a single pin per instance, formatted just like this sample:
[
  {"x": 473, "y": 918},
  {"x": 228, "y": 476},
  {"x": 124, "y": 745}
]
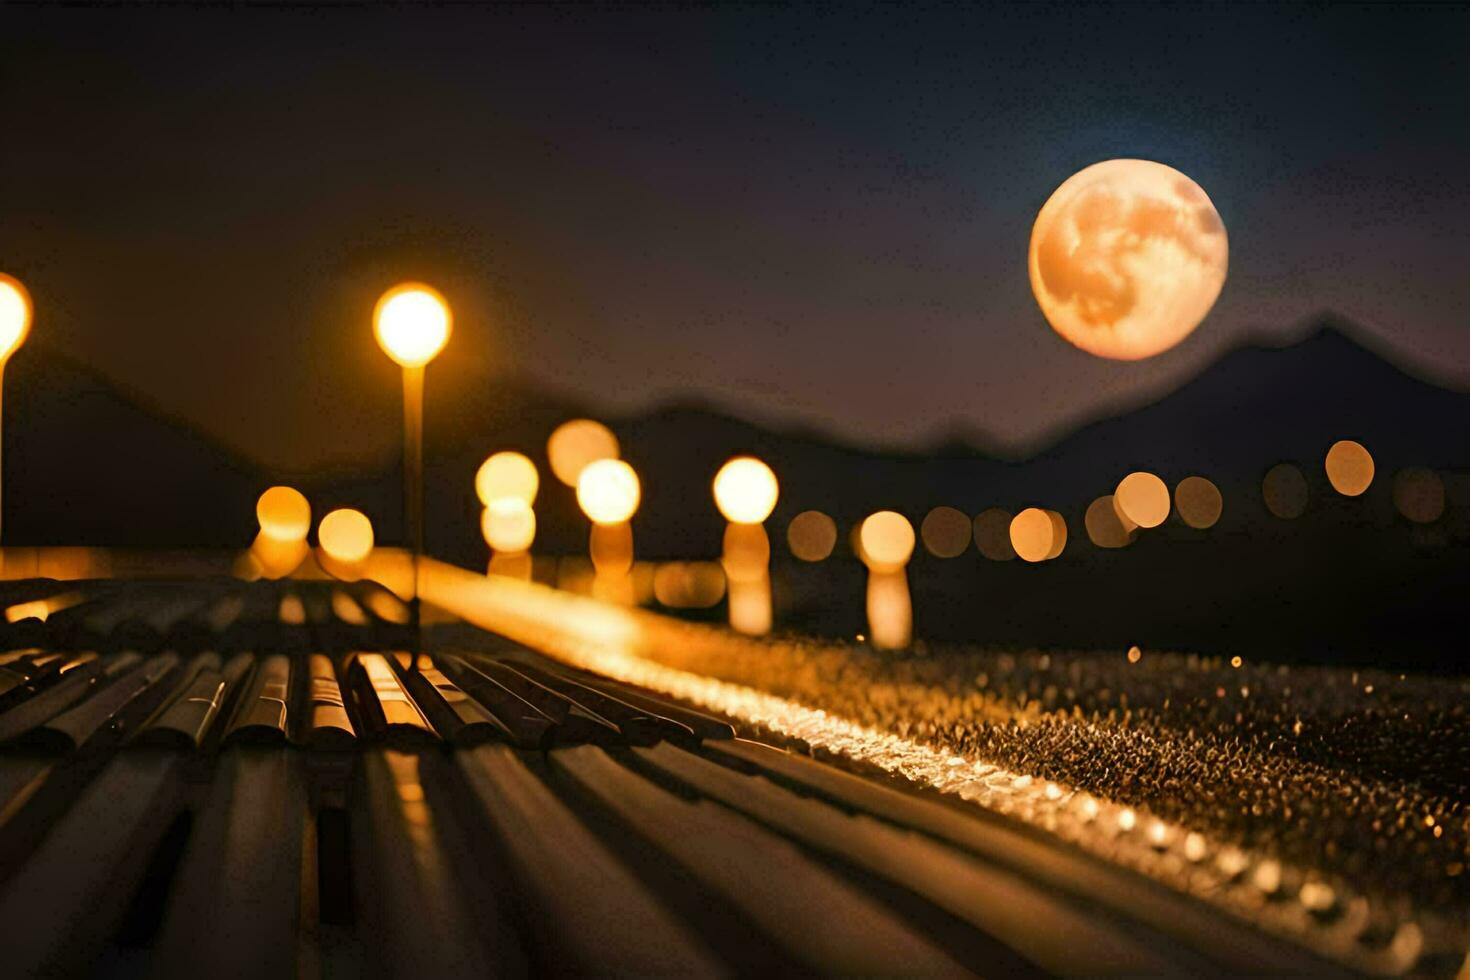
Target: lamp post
[
  {"x": 608, "y": 492},
  {"x": 745, "y": 492},
  {"x": 15, "y": 323},
  {"x": 412, "y": 322}
]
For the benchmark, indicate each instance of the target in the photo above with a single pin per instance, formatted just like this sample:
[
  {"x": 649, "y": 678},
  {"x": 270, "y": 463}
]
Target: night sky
[{"x": 804, "y": 216}]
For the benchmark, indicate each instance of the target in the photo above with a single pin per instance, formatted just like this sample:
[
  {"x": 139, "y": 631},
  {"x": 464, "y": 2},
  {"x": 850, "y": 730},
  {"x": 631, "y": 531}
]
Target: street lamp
[
  {"x": 885, "y": 543},
  {"x": 412, "y": 322},
  {"x": 745, "y": 491},
  {"x": 608, "y": 492},
  {"x": 15, "y": 323}
]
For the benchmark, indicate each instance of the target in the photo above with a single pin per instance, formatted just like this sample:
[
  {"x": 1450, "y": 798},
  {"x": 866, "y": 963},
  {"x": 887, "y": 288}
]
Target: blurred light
[
  {"x": 689, "y": 584},
  {"x": 811, "y": 535},
  {"x": 577, "y": 443},
  {"x": 946, "y": 532},
  {"x": 611, "y": 547},
  {"x": 1285, "y": 491},
  {"x": 41, "y": 608},
  {"x": 271, "y": 557},
  {"x": 292, "y": 610},
  {"x": 608, "y": 491},
  {"x": 1106, "y": 528},
  {"x": 1199, "y": 502},
  {"x": 346, "y": 609},
  {"x": 387, "y": 606},
  {"x": 747, "y": 553},
  {"x": 1134, "y": 655},
  {"x": 1349, "y": 467},
  {"x": 750, "y": 605},
  {"x": 1418, "y": 493},
  {"x": 346, "y": 535},
  {"x": 1032, "y": 533},
  {"x": 412, "y": 322},
  {"x": 511, "y": 564},
  {"x": 283, "y": 514},
  {"x": 887, "y": 540},
  {"x": 507, "y": 474},
  {"x": 746, "y": 490},
  {"x": 1142, "y": 498},
  {"x": 15, "y": 315},
  {"x": 993, "y": 534},
  {"x": 1058, "y": 534},
  {"x": 890, "y": 610},
  {"x": 508, "y": 524}
]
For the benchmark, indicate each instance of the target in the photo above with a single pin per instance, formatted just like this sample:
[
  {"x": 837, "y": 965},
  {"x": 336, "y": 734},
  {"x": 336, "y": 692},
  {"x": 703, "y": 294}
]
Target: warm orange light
[
  {"x": 811, "y": 535},
  {"x": 993, "y": 534},
  {"x": 746, "y": 490},
  {"x": 1199, "y": 502},
  {"x": 1058, "y": 535},
  {"x": 608, "y": 491},
  {"x": 412, "y": 322},
  {"x": 1285, "y": 491},
  {"x": 887, "y": 540},
  {"x": 1033, "y": 534},
  {"x": 689, "y": 585},
  {"x": 1105, "y": 526},
  {"x": 1418, "y": 493},
  {"x": 15, "y": 315},
  {"x": 1143, "y": 499},
  {"x": 346, "y": 535},
  {"x": 577, "y": 443},
  {"x": 1349, "y": 467},
  {"x": 283, "y": 514},
  {"x": 507, "y": 474},
  {"x": 946, "y": 532},
  {"x": 508, "y": 524}
]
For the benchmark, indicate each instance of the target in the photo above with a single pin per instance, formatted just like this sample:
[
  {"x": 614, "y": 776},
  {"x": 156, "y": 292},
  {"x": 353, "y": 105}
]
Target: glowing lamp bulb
[
  {"x": 284, "y": 514},
  {"x": 508, "y": 524},
  {"x": 887, "y": 540},
  {"x": 412, "y": 322},
  {"x": 507, "y": 474},
  {"x": 746, "y": 490},
  {"x": 608, "y": 491},
  {"x": 15, "y": 315},
  {"x": 346, "y": 535}
]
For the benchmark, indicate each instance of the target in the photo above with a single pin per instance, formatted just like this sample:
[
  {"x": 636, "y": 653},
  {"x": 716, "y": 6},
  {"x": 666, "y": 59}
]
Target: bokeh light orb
[
  {"x": 608, "y": 491},
  {"x": 508, "y": 524},
  {"x": 507, "y": 474},
  {"x": 15, "y": 315},
  {"x": 946, "y": 532},
  {"x": 577, "y": 443},
  {"x": 1349, "y": 467},
  {"x": 887, "y": 540},
  {"x": 1199, "y": 502},
  {"x": 1033, "y": 534},
  {"x": 1143, "y": 499},
  {"x": 1105, "y": 527},
  {"x": 412, "y": 322},
  {"x": 1418, "y": 494},
  {"x": 811, "y": 535},
  {"x": 346, "y": 535},
  {"x": 993, "y": 534},
  {"x": 283, "y": 514},
  {"x": 1284, "y": 490},
  {"x": 746, "y": 490},
  {"x": 1127, "y": 257}
]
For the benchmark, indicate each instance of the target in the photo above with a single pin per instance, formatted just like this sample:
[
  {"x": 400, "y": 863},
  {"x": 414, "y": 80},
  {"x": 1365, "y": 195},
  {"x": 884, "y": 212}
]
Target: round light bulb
[
  {"x": 746, "y": 490},
  {"x": 608, "y": 491},
  {"x": 507, "y": 474},
  {"x": 412, "y": 322},
  {"x": 576, "y": 443},
  {"x": 887, "y": 540},
  {"x": 508, "y": 524},
  {"x": 15, "y": 315},
  {"x": 283, "y": 514},
  {"x": 346, "y": 535}
]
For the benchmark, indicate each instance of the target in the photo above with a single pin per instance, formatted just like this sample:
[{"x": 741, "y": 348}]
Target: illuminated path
[{"x": 1365, "y": 930}]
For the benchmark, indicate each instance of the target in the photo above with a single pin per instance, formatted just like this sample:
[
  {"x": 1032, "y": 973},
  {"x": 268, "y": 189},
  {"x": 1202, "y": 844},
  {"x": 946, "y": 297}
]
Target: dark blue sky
[{"x": 805, "y": 215}]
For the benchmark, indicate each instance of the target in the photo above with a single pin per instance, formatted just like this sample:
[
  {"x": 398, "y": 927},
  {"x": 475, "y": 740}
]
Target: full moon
[{"x": 1127, "y": 257}]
